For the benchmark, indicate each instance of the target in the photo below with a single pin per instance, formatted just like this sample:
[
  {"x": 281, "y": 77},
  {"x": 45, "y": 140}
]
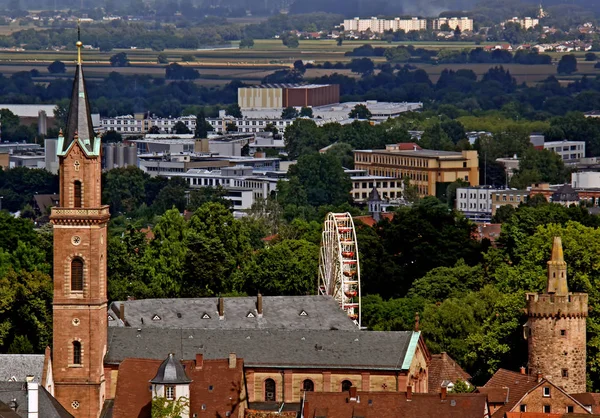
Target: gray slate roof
[
  {"x": 17, "y": 392},
  {"x": 268, "y": 348},
  {"x": 20, "y": 366},
  {"x": 79, "y": 120},
  {"x": 170, "y": 371},
  {"x": 279, "y": 312}
]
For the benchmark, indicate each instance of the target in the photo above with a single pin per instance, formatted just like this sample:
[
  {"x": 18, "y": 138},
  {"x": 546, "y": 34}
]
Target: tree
[
  {"x": 567, "y": 64},
  {"x": 175, "y": 71},
  {"x": 285, "y": 268},
  {"x": 289, "y": 113},
  {"x": 188, "y": 58},
  {"x": 247, "y": 43},
  {"x": 202, "y": 126},
  {"x": 154, "y": 130},
  {"x": 234, "y": 110},
  {"x": 299, "y": 66},
  {"x": 124, "y": 189},
  {"x": 180, "y": 128},
  {"x": 322, "y": 178},
  {"x": 339, "y": 41},
  {"x": 306, "y": 112},
  {"x": 57, "y": 67},
  {"x": 168, "y": 408},
  {"x": 119, "y": 60},
  {"x": 360, "y": 111},
  {"x": 590, "y": 56},
  {"x": 363, "y": 66},
  {"x": 162, "y": 58},
  {"x": 112, "y": 137},
  {"x": 231, "y": 127},
  {"x": 290, "y": 40},
  {"x": 303, "y": 136}
]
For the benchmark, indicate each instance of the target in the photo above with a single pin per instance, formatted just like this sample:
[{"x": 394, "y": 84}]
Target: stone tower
[
  {"x": 80, "y": 232},
  {"x": 555, "y": 331}
]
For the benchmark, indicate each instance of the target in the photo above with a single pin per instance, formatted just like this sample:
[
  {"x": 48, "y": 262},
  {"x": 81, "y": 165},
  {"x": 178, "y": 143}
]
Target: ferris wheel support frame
[{"x": 339, "y": 264}]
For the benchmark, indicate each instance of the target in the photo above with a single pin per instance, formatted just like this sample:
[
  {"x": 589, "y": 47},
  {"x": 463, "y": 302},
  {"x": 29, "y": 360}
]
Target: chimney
[
  {"x": 199, "y": 361},
  {"x": 259, "y": 307},
  {"x": 232, "y": 361},
  {"x": 221, "y": 308},
  {"x": 409, "y": 393},
  {"x": 522, "y": 370},
  {"x": 539, "y": 377},
  {"x": 32, "y": 400},
  {"x": 305, "y": 409},
  {"x": 443, "y": 393},
  {"x": 122, "y": 311},
  {"x": 352, "y": 393}
]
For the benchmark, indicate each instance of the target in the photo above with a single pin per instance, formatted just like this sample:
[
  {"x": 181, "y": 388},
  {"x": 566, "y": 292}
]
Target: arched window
[
  {"x": 346, "y": 385},
  {"x": 77, "y": 194},
  {"x": 270, "y": 390},
  {"x": 76, "y": 352},
  {"x": 308, "y": 386},
  {"x": 77, "y": 275}
]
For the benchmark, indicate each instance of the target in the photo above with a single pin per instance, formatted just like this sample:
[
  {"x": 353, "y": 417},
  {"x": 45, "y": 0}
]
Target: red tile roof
[
  {"x": 393, "y": 405},
  {"x": 489, "y": 231},
  {"x": 532, "y": 415},
  {"x": 444, "y": 368},
  {"x": 518, "y": 385},
  {"x": 215, "y": 386},
  {"x": 369, "y": 221},
  {"x": 495, "y": 395},
  {"x": 408, "y": 146},
  {"x": 589, "y": 399}
]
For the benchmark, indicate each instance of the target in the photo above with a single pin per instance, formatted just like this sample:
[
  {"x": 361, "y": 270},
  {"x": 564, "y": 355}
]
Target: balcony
[{"x": 79, "y": 215}]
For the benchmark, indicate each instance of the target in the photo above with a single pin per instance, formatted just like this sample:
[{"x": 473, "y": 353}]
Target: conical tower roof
[
  {"x": 171, "y": 371},
  {"x": 79, "y": 121}
]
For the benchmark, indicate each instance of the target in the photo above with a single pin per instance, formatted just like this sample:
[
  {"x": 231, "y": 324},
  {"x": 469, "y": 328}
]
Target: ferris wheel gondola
[{"x": 339, "y": 267}]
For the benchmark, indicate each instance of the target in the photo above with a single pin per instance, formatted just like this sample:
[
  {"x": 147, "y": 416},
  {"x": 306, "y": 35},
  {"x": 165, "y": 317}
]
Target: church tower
[
  {"x": 80, "y": 233},
  {"x": 555, "y": 331}
]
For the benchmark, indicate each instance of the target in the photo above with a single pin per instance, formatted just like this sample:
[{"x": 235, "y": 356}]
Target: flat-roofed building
[
  {"x": 429, "y": 170},
  {"x": 278, "y": 96},
  {"x": 510, "y": 197},
  {"x": 475, "y": 202}
]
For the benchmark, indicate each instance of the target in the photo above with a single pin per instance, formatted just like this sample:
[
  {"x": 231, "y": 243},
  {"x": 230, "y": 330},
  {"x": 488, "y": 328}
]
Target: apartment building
[
  {"x": 510, "y": 197},
  {"x": 389, "y": 188},
  {"x": 475, "y": 202},
  {"x": 569, "y": 151},
  {"x": 431, "y": 171},
  {"x": 525, "y": 22},
  {"x": 463, "y": 23},
  {"x": 243, "y": 185},
  {"x": 140, "y": 123}
]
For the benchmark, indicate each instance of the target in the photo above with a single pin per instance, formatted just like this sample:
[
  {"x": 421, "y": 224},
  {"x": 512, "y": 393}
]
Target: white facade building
[
  {"x": 525, "y": 23},
  {"x": 463, "y": 23},
  {"x": 585, "y": 180},
  {"x": 475, "y": 202},
  {"x": 139, "y": 124},
  {"x": 376, "y": 25},
  {"x": 570, "y": 151}
]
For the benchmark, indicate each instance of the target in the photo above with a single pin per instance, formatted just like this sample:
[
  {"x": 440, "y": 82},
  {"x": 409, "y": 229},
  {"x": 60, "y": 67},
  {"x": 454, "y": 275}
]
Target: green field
[{"x": 219, "y": 66}]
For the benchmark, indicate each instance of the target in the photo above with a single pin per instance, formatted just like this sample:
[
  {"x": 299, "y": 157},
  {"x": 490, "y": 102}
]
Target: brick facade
[
  {"x": 80, "y": 315},
  {"x": 556, "y": 329}
]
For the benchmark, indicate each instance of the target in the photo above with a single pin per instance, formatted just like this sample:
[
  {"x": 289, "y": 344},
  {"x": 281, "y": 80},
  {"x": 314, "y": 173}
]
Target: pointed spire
[
  {"x": 557, "y": 270},
  {"x": 79, "y": 121}
]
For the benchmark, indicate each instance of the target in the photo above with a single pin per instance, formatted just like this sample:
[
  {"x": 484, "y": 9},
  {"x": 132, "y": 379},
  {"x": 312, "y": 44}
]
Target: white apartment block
[
  {"x": 525, "y": 23},
  {"x": 376, "y": 25},
  {"x": 463, "y": 23},
  {"x": 475, "y": 202},
  {"x": 139, "y": 125},
  {"x": 243, "y": 186},
  {"x": 569, "y": 151}
]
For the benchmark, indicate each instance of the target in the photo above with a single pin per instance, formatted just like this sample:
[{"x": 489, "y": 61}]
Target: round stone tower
[{"x": 555, "y": 330}]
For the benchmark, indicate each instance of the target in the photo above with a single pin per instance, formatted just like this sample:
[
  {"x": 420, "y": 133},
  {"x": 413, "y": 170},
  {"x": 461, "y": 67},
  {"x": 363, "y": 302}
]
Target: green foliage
[
  {"x": 165, "y": 408},
  {"x": 567, "y": 64},
  {"x": 234, "y": 110},
  {"x": 57, "y": 67},
  {"x": 247, "y": 43},
  {"x": 306, "y": 112},
  {"x": 290, "y": 40},
  {"x": 321, "y": 177},
  {"x": 460, "y": 386},
  {"x": 180, "y": 128},
  {"x": 162, "y": 58},
  {"x": 289, "y": 113},
  {"x": 21, "y": 345},
  {"x": 538, "y": 166},
  {"x": 119, "y": 60},
  {"x": 360, "y": 111}
]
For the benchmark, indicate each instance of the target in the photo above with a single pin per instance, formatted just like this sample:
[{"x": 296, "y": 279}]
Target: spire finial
[
  {"x": 60, "y": 132},
  {"x": 76, "y": 136},
  {"x": 417, "y": 320},
  {"x": 79, "y": 43}
]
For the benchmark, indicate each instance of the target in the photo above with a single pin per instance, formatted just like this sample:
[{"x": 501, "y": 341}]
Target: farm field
[{"x": 222, "y": 65}]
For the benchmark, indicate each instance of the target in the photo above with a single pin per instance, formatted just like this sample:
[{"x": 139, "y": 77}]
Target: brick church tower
[
  {"x": 80, "y": 233},
  {"x": 555, "y": 331}
]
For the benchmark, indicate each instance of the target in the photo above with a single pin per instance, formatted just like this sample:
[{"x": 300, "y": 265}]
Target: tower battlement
[{"x": 573, "y": 305}]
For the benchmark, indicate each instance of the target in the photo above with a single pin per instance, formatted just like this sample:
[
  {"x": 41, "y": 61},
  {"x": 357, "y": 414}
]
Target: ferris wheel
[{"x": 339, "y": 268}]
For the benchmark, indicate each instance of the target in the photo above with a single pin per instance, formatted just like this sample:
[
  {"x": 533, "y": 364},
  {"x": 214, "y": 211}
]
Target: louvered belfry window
[
  {"x": 77, "y": 275},
  {"x": 77, "y": 194}
]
